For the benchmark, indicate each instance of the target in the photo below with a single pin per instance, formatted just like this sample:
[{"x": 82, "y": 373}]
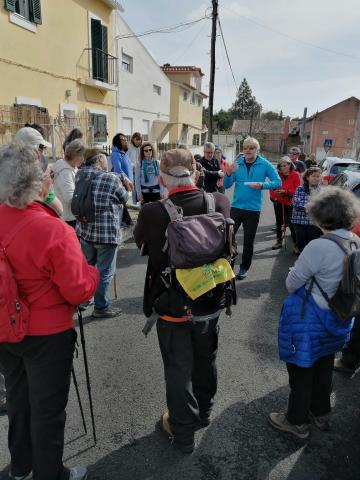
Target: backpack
[
  {"x": 191, "y": 242},
  {"x": 14, "y": 310},
  {"x": 82, "y": 206},
  {"x": 346, "y": 301}
]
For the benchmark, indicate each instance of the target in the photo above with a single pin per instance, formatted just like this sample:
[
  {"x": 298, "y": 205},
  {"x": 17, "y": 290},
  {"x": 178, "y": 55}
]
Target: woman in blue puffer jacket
[{"x": 309, "y": 332}]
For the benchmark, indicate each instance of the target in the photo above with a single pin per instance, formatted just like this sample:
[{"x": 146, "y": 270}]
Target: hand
[
  {"x": 230, "y": 169},
  {"x": 220, "y": 173},
  {"x": 256, "y": 186},
  {"x": 129, "y": 186},
  {"x": 140, "y": 198}
]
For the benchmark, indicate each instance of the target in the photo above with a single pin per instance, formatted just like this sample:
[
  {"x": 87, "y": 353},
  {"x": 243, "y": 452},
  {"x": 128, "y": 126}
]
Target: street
[{"x": 129, "y": 394}]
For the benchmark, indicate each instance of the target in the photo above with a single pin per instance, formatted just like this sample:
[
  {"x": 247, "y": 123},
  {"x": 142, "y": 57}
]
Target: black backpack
[
  {"x": 82, "y": 206},
  {"x": 346, "y": 301}
]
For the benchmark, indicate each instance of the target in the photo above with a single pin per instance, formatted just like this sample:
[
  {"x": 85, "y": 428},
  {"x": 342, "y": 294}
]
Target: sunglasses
[
  {"x": 147, "y": 149},
  {"x": 249, "y": 148}
]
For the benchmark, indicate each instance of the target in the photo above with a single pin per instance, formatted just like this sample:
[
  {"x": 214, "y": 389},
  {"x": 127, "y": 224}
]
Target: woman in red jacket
[
  {"x": 282, "y": 199},
  {"x": 53, "y": 277}
]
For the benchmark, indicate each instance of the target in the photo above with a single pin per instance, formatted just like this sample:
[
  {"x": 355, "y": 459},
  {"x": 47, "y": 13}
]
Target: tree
[
  {"x": 270, "y": 115},
  {"x": 245, "y": 105},
  {"x": 223, "y": 120}
]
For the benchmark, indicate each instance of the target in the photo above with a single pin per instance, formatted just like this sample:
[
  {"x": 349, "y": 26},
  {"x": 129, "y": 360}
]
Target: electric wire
[
  {"x": 190, "y": 44},
  {"x": 227, "y": 54}
]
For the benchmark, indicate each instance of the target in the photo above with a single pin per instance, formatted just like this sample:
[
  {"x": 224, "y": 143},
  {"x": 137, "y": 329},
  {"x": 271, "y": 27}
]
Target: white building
[{"x": 143, "y": 95}]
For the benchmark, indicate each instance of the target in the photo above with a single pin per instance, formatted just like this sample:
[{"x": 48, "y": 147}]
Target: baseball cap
[
  {"x": 30, "y": 136},
  {"x": 177, "y": 163},
  {"x": 295, "y": 150}
]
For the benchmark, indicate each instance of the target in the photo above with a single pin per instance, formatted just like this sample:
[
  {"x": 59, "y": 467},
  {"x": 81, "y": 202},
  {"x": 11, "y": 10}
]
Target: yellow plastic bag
[{"x": 197, "y": 281}]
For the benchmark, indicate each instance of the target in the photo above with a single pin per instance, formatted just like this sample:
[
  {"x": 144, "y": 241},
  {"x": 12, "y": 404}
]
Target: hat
[
  {"x": 295, "y": 150},
  {"x": 32, "y": 137},
  {"x": 177, "y": 163}
]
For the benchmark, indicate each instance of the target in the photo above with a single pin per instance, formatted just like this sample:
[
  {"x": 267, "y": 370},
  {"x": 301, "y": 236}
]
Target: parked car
[
  {"x": 349, "y": 180},
  {"x": 332, "y": 166}
]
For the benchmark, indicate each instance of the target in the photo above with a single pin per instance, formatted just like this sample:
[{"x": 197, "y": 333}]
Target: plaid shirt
[
  {"x": 299, "y": 200},
  {"x": 108, "y": 196}
]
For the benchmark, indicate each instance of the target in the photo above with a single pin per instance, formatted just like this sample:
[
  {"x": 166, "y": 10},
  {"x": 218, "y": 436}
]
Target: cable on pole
[{"x": 227, "y": 53}]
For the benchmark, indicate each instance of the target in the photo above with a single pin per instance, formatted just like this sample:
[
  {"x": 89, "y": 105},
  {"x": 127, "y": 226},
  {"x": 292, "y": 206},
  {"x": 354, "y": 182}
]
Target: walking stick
[
  {"x": 88, "y": 384},
  {"x": 78, "y": 397},
  {"x": 283, "y": 226}
]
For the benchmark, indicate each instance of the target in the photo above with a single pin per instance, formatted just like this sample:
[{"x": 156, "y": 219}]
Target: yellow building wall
[{"x": 45, "y": 64}]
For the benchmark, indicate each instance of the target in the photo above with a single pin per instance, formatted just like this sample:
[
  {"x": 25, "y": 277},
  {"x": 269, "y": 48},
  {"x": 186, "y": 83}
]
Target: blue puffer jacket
[{"x": 302, "y": 340}]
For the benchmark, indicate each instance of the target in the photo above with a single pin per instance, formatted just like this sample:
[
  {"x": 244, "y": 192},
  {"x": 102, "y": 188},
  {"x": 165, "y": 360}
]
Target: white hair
[
  {"x": 21, "y": 175},
  {"x": 174, "y": 182},
  {"x": 252, "y": 140},
  {"x": 209, "y": 146}
]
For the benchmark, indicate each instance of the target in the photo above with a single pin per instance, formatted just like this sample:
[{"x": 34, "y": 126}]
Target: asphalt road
[{"x": 129, "y": 395}]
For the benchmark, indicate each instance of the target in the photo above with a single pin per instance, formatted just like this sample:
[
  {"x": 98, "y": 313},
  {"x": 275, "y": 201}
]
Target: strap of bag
[
  {"x": 209, "y": 202},
  {"x": 11, "y": 235},
  {"x": 322, "y": 291},
  {"x": 343, "y": 243},
  {"x": 174, "y": 212}
]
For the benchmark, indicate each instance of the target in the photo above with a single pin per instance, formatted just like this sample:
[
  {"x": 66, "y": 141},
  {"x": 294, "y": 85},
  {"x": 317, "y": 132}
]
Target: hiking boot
[
  {"x": 29, "y": 476},
  {"x": 78, "y": 473},
  {"x": 185, "y": 443},
  {"x": 242, "y": 274},
  {"x": 322, "y": 422},
  {"x": 279, "y": 421},
  {"x": 107, "y": 313},
  {"x": 277, "y": 245},
  {"x": 340, "y": 366}
]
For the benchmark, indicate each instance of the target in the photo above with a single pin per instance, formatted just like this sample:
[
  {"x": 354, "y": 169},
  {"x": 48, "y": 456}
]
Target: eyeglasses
[
  {"x": 147, "y": 149},
  {"x": 249, "y": 148},
  {"x": 208, "y": 151}
]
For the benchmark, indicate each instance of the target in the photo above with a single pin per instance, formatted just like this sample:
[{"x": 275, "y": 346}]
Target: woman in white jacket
[{"x": 64, "y": 177}]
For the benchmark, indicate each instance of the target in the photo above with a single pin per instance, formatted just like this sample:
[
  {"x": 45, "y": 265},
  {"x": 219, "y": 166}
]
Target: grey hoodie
[{"x": 64, "y": 186}]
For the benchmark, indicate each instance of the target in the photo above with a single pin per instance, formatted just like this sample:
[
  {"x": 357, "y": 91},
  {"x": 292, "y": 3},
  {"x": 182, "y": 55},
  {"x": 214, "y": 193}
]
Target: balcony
[{"x": 98, "y": 69}]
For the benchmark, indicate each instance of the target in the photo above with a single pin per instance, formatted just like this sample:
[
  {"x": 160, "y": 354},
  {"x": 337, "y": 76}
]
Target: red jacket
[
  {"x": 289, "y": 184},
  {"x": 49, "y": 266}
]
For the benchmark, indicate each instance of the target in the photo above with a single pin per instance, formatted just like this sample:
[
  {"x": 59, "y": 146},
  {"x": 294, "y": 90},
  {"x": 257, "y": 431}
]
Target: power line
[
  {"x": 180, "y": 27},
  {"x": 190, "y": 44},
  {"x": 227, "y": 54}
]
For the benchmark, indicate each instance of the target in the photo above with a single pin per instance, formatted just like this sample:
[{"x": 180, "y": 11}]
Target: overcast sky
[{"x": 293, "y": 54}]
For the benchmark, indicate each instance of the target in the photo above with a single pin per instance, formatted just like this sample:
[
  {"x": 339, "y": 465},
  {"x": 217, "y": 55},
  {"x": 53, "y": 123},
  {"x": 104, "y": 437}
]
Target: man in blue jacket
[{"x": 249, "y": 173}]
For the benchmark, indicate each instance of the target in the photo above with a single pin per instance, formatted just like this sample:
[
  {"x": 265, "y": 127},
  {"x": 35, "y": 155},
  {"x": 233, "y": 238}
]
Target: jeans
[
  {"x": 37, "y": 376},
  {"x": 103, "y": 256},
  {"x": 189, "y": 354},
  {"x": 310, "y": 390},
  {"x": 283, "y": 217},
  {"x": 250, "y": 221}
]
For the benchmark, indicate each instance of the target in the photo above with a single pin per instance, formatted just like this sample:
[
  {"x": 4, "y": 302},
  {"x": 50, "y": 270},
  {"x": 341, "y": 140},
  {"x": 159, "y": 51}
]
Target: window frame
[
  {"x": 157, "y": 89},
  {"x": 127, "y": 60}
]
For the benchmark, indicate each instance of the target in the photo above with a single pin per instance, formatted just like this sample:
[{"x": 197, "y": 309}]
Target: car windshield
[
  {"x": 339, "y": 180},
  {"x": 354, "y": 167},
  {"x": 338, "y": 168}
]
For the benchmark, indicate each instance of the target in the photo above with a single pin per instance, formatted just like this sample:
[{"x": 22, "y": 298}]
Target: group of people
[{"x": 53, "y": 256}]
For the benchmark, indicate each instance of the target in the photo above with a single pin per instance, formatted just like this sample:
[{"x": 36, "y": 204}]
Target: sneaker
[
  {"x": 279, "y": 421},
  {"x": 78, "y": 473},
  {"x": 107, "y": 313},
  {"x": 340, "y": 366},
  {"x": 242, "y": 274},
  {"x": 322, "y": 422},
  {"x": 277, "y": 245},
  {"x": 29, "y": 476},
  {"x": 184, "y": 443},
  {"x": 85, "y": 305}
]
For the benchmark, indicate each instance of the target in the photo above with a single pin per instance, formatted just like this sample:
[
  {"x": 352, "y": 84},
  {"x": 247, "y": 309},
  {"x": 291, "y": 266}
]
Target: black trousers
[
  {"x": 351, "y": 351},
  {"x": 310, "y": 390},
  {"x": 283, "y": 216},
  {"x": 150, "y": 197},
  {"x": 37, "y": 378},
  {"x": 189, "y": 354},
  {"x": 250, "y": 222},
  {"x": 306, "y": 233}
]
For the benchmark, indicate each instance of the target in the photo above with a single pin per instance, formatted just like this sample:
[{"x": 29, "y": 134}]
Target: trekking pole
[
  {"x": 78, "y": 397},
  {"x": 283, "y": 226},
  {"x": 88, "y": 384}
]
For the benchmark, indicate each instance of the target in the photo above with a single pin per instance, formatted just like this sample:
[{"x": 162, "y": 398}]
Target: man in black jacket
[
  {"x": 211, "y": 168},
  {"x": 188, "y": 344}
]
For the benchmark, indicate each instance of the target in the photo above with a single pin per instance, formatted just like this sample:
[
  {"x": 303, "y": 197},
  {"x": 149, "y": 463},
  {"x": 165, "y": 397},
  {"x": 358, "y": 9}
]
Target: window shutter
[
  {"x": 35, "y": 9},
  {"x": 96, "y": 45},
  {"x": 10, "y": 5},
  {"x": 104, "y": 32}
]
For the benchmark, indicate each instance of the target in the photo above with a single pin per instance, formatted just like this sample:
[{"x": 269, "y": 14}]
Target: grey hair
[
  {"x": 76, "y": 148},
  {"x": 209, "y": 146},
  {"x": 334, "y": 208},
  {"x": 21, "y": 175},
  {"x": 252, "y": 140},
  {"x": 174, "y": 182}
]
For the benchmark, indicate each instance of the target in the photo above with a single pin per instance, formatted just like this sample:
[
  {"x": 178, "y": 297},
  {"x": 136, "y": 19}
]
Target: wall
[{"x": 136, "y": 98}]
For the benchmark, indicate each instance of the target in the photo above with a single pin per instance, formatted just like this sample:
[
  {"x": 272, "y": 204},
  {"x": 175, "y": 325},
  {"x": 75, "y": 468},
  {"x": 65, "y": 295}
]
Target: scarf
[{"x": 145, "y": 166}]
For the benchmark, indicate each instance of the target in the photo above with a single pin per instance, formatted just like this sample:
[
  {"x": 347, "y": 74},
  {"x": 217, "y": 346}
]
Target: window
[
  {"x": 196, "y": 139},
  {"x": 29, "y": 9},
  {"x": 145, "y": 130},
  {"x": 185, "y": 96},
  {"x": 199, "y": 102},
  {"x": 325, "y": 132},
  {"x": 193, "y": 98},
  {"x": 99, "y": 51},
  {"x": 351, "y": 121},
  {"x": 99, "y": 124},
  {"x": 127, "y": 63},
  {"x": 157, "y": 89},
  {"x": 127, "y": 126}
]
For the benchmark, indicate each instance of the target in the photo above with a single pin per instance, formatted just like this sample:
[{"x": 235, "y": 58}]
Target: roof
[
  {"x": 259, "y": 124},
  {"x": 332, "y": 106},
  {"x": 167, "y": 68},
  {"x": 114, "y": 4}
]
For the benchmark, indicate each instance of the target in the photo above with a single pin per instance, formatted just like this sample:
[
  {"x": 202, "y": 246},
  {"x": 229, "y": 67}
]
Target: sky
[{"x": 294, "y": 54}]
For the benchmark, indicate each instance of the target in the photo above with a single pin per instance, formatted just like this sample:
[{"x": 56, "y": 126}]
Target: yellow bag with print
[{"x": 200, "y": 280}]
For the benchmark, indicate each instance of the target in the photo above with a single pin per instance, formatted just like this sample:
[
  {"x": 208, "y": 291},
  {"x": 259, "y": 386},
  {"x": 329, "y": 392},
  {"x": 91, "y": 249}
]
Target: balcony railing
[{"x": 103, "y": 66}]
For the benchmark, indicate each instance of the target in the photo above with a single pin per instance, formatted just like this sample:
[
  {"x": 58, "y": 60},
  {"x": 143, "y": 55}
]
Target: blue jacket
[
  {"x": 245, "y": 197},
  {"x": 304, "y": 339},
  {"x": 121, "y": 163}
]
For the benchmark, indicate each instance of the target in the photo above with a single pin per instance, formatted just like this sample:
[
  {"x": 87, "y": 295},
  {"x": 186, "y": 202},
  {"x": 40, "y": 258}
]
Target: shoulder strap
[
  {"x": 10, "y": 235},
  {"x": 174, "y": 212},
  {"x": 343, "y": 243},
  {"x": 209, "y": 202},
  {"x": 322, "y": 291}
]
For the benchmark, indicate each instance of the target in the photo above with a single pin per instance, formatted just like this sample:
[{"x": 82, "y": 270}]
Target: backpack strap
[
  {"x": 10, "y": 235},
  {"x": 174, "y": 212},
  {"x": 345, "y": 244},
  {"x": 209, "y": 202}
]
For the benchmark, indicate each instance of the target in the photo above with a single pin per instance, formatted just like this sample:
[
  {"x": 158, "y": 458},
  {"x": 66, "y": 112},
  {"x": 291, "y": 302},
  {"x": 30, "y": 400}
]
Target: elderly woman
[
  {"x": 309, "y": 332},
  {"x": 282, "y": 200},
  {"x": 64, "y": 177},
  {"x": 53, "y": 277}
]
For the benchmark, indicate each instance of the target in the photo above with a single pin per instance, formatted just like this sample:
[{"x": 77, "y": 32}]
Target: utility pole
[
  {"x": 215, "y": 5},
  {"x": 302, "y": 131}
]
